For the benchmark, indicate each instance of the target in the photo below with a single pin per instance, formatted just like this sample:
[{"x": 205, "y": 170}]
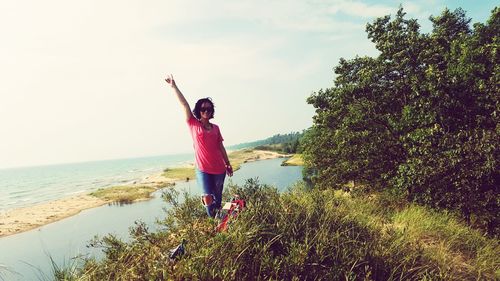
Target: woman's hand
[
  {"x": 170, "y": 80},
  {"x": 229, "y": 170}
]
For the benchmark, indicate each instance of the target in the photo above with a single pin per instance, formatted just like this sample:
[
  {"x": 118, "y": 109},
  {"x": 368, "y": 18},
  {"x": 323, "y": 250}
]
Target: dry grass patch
[
  {"x": 239, "y": 157},
  {"x": 125, "y": 194},
  {"x": 295, "y": 160},
  {"x": 180, "y": 173}
]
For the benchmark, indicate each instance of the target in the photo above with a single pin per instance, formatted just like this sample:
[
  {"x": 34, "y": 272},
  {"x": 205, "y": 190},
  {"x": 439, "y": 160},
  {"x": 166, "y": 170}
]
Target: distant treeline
[
  {"x": 287, "y": 143},
  {"x": 421, "y": 120}
]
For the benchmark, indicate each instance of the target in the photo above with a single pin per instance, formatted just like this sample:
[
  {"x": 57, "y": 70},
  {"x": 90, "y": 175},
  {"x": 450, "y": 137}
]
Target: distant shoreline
[{"x": 23, "y": 219}]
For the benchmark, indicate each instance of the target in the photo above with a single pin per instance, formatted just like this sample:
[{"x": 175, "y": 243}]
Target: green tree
[
  {"x": 357, "y": 127},
  {"x": 453, "y": 162},
  {"x": 421, "y": 117}
]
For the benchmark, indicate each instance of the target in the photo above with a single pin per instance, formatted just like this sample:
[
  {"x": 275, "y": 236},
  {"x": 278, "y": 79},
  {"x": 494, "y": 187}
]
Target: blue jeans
[{"x": 211, "y": 186}]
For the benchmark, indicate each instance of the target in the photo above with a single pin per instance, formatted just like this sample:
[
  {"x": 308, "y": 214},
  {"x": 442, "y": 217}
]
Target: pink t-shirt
[{"x": 207, "y": 150}]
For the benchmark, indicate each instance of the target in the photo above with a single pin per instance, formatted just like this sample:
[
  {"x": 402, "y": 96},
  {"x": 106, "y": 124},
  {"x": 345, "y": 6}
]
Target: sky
[{"x": 84, "y": 80}]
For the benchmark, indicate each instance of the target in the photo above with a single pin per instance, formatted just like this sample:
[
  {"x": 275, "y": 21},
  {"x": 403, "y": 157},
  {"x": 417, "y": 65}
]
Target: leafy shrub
[{"x": 301, "y": 234}]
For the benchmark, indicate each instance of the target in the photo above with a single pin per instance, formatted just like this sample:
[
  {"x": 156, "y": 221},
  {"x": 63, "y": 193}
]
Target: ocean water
[{"x": 21, "y": 187}]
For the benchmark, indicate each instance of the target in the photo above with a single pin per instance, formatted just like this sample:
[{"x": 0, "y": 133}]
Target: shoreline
[{"x": 23, "y": 219}]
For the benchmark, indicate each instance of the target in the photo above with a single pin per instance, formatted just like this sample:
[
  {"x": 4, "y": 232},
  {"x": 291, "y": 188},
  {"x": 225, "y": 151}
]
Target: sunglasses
[{"x": 206, "y": 109}]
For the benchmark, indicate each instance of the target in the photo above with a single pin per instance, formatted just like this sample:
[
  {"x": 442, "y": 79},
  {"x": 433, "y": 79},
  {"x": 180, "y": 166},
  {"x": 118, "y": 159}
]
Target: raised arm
[{"x": 187, "y": 110}]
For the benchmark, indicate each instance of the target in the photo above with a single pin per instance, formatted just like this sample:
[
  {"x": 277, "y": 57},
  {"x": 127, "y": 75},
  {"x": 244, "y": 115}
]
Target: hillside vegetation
[{"x": 300, "y": 234}]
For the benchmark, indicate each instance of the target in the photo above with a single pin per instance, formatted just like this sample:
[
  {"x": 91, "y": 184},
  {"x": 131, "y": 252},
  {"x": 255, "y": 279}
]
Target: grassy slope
[
  {"x": 302, "y": 234},
  {"x": 295, "y": 160}
]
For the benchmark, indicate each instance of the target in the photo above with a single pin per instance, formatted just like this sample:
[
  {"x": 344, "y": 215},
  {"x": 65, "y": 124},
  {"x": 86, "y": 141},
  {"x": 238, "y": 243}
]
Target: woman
[{"x": 212, "y": 162}]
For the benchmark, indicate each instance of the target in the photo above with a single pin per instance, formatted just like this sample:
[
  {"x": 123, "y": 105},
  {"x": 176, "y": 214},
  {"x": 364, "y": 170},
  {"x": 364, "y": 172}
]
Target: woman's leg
[
  {"x": 207, "y": 193},
  {"x": 211, "y": 186},
  {"x": 219, "y": 186}
]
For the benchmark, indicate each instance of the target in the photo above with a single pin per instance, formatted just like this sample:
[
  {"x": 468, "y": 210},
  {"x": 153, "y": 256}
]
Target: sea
[
  {"x": 22, "y": 187},
  {"x": 31, "y": 255}
]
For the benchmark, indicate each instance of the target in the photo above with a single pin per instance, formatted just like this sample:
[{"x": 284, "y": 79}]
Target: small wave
[
  {"x": 11, "y": 203},
  {"x": 17, "y": 196},
  {"x": 19, "y": 200},
  {"x": 75, "y": 192},
  {"x": 20, "y": 192},
  {"x": 17, "y": 204},
  {"x": 148, "y": 169}
]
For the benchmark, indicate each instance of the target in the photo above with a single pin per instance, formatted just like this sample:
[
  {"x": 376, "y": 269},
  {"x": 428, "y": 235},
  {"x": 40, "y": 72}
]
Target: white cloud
[{"x": 360, "y": 9}]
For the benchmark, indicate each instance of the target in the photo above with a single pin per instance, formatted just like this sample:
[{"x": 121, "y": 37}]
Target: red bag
[{"x": 233, "y": 209}]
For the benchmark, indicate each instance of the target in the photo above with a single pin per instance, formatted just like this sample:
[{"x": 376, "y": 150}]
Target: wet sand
[{"x": 23, "y": 219}]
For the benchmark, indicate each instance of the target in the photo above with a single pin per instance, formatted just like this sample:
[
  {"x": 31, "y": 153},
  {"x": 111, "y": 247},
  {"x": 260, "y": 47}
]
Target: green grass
[
  {"x": 180, "y": 173},
  {"x": 126, "y": 194},
  {"x": 448, "y": 241},
  {"x": 238, "y": 157},
  {"x": 301, "y": 234},
  {"x": 295, "y": 160}
]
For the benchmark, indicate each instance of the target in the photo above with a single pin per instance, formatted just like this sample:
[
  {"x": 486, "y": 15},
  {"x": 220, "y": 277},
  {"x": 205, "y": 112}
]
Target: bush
[{"x": 301, "y": 234}]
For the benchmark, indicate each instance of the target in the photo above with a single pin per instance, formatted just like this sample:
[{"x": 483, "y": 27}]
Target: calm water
[
  {"x": 22, "y": 187},
  {"x": 25, "y": 256}
]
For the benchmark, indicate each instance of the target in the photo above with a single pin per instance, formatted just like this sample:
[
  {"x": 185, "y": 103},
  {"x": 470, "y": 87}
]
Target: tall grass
[
  {"x": 300, "y": 234},
  {"x": 125, "y": 194}
]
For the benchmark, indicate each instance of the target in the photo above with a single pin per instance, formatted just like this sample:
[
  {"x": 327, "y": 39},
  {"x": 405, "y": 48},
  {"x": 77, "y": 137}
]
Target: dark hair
[{"x": 196, "y": 110}]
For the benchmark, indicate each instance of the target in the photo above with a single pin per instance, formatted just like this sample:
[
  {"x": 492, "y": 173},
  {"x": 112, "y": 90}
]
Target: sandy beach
[
  {"x": 265, "y": 155},
  {"x": 23, "y": 219},
  {"x": 27, "y": 218}
]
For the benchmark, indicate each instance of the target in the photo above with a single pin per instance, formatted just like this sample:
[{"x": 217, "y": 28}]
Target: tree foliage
[
  {"x": 421, "y": 118},
  {"x": 287, "y": 143}
]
